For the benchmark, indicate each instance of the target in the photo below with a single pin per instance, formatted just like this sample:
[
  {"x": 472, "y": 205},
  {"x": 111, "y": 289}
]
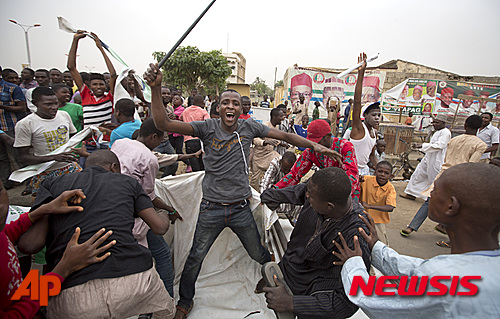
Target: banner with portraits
[
  {"x": 319, "y": 85},
  {"x": 425, "y": 97}
]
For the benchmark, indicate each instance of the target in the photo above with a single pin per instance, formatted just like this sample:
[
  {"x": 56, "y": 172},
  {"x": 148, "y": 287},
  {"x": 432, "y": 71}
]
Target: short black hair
[
  {"x": 386, "y": 163},
  {"x": 275, "y": 112},
  {"x": 228, "y": 90},
  {"x": 58, "y": 86},
  {"x": 281, "y": 106},
  {"x": 244, "y": 97},
  {"x": 148, "y": 128},
  {"x": 198, "y": 100},
  {"x": 126, "y": 107},
  {"x": 213, "y": 109},
  {"x": 44, "y": 71},
  {"x": 371, "y": 107},
  {"x": 289, "y": 157},
  {"x": 85, "y": 76},
  {"x": 101, "y": 158},
  {"x": 54, "y": 69},
  {"x": 474, "y": 122},
  {"x": 6, "y": 72},
  {"x": 31, "y": 71},
  {"x": 97, "y": 76},
  {"x": 40, "y": 91},
  {"x": 487, "y": 113},
  {"x": 333, "y": 185}
]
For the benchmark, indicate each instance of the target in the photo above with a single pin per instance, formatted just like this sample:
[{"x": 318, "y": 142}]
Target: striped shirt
[
  {"x": 10, "y": 94},
  {"x": 96, "y": 111}
]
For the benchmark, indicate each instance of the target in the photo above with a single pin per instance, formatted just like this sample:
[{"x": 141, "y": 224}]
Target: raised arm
[
  {"x": 153, "y": 77},
  {"x": 109, "y": 65},
  {"x": 299, "y": 141},
  {"x": 358, "y": 132},
  {"x": 72, "y": 59}
]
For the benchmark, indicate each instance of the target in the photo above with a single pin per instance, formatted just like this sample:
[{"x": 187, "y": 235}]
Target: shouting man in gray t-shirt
[{"x": 226, "y": 188}]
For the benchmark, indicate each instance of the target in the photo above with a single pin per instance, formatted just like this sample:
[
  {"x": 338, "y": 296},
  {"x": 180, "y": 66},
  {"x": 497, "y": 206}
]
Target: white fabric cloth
[
  {"x": 121, "y": 93},
  {"x": 363, "y": 148},
  {"x": 481, "y": 263},
  {"x": 429, "y": 167},
  {"x": 44, "y": 135},
  {"x": 489, "y": 135}
]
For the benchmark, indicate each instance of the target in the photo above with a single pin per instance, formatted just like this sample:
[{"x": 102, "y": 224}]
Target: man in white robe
[{"x": 429, "y": 167}]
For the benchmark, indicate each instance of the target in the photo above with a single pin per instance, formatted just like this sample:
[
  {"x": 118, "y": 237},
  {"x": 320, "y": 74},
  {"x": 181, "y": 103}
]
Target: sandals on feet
[
  {"x": 181, "y": 312},
  {"x": 442, "y": 243},
  {"x": 407, "y": 196},
  {"x": 440, "y": 228},
  {"x": 406, "y": 232}
]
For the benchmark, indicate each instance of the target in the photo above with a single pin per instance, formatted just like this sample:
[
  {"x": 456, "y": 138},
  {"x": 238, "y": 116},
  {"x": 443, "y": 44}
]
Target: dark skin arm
[
  {"x": 33, "y": 240},
  {"x": 358, "y": 132},
  {"x": 19, "y": 107},
  {"x": 383, "y": 208},
  {"x": 345, "y": 252},
  {"x": 160, "y": 204},
  {"x": 278, "y": 298},
  {"x": 7, "y": 139},
  {"x": 72, "y": 59},
  {"x": 153, "y": 78},
  {"x": 109, "y": 65},
  {"x": 29, "y": 159},
  {"x": 492, "y": 148},
  {"x": 182, "y": 157},
  {"x": 373, "y": 157},
  {"x": 157, "y": 222}
]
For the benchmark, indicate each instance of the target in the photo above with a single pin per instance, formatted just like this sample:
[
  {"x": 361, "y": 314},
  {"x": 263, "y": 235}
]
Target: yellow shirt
[{"x": 374, "y": 194}]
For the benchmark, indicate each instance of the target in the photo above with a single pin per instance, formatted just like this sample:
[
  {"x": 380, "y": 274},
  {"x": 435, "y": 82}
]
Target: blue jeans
[
  {"x": 167, "y": 148},
  {"x": 213, "y": 218},
  {"x": 420, "y": 216},
  {"x": 161, "y": 253}
]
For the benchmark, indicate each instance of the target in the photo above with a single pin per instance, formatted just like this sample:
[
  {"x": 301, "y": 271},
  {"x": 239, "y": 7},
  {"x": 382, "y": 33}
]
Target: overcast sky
[{"x": 269, "y": 34}]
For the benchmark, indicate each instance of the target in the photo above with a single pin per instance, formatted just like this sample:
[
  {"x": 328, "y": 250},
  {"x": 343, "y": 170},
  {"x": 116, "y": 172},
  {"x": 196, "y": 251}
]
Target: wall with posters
[
  {"x": 320, "y": 84},
  {"x": 429, "y": 97}
]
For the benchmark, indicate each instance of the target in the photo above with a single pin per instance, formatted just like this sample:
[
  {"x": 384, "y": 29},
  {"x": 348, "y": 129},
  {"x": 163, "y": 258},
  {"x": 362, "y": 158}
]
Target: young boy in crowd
[
  {"x": 177, "y": 140},
  {"x": 316, "y": 110},
  {"x": 75, "y": 257},
  {"x": 301, "y": 129},
  {"x": 379, "y": 153},
  {"x": 97, "y": 105},
  {"x": 378, "y": 197},
  {"x": 75, "y": 111},
  {"x": 195, "y": 112},
  {"x": 124, "y": 115},
  {"x": 44, "y": 131},
  {"x": 472, "y": 221},
  {"x": 246, "y": 104},
  {"x": 225, "y": 186}
]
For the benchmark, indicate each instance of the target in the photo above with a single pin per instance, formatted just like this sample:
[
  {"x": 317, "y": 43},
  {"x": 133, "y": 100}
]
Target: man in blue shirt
[
  {"x": 124, "y": 114},
  {"x": 12, "y": 109}
]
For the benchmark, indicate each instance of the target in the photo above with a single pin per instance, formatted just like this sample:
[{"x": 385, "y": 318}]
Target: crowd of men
[{"x": 98, "y": 225}]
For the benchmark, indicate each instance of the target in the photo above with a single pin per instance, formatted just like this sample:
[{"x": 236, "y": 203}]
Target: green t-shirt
[{"x": 75, "y": 111}]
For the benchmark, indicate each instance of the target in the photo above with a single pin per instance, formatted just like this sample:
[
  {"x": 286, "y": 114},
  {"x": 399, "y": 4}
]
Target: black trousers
[{"x": 193, "y": 146}]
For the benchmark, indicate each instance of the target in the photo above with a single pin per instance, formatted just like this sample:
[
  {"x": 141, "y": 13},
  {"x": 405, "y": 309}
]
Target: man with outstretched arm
[{"x": 225, "y": 186}]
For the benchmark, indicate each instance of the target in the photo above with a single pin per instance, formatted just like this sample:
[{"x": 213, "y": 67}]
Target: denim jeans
[
  {"x": 420, "y": 216},
  {"x": 213, "y": 218},
  {"x": 161, "y": 253},
  {"x": 166, "y": 148}
]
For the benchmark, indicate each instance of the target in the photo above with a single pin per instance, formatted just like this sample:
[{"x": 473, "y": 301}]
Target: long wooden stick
[{"x": 162, "y": 62}]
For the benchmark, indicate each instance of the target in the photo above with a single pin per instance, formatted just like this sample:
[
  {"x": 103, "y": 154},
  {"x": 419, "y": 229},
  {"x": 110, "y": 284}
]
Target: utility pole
[{"x": 26, "y": 28}]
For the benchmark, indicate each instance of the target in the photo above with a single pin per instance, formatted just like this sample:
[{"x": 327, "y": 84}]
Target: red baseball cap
[{"x": 317, "y": 130}]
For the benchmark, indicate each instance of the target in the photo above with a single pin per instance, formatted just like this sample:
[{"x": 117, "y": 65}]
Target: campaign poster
[
  {"x": 322, "y": 85},
  {"x": 417, "y": 96}
]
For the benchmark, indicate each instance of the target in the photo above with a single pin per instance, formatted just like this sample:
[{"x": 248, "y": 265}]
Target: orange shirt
[
  {"x": 408, "y": 121},
  {"x": 374, "y": 194}
]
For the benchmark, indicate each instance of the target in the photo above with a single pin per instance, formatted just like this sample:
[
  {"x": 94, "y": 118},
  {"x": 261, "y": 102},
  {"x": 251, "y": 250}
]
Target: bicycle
[{"x": 403, "y": 162}]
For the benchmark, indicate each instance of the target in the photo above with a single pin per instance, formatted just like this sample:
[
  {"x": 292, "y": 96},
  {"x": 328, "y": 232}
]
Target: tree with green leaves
[
  {"x": 190, "y": 68},
  {"x": 261, "y": 87}
]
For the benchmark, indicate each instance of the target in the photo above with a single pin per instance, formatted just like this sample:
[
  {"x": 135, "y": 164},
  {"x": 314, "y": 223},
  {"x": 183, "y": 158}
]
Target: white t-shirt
[{"x": 44, "y": 135}]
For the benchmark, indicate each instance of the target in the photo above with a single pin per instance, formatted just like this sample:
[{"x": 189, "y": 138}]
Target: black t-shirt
[{"x": 112, "y": 201}]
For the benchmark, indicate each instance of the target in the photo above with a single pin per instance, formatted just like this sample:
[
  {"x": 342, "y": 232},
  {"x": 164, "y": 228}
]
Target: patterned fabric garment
[
  {"x": 309, "y": 157},
  {"x": 37, "y": 179}
]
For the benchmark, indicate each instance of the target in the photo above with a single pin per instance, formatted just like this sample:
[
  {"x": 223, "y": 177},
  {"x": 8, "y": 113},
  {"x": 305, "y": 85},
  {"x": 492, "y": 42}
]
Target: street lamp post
[{"x": 26, "y": 28}]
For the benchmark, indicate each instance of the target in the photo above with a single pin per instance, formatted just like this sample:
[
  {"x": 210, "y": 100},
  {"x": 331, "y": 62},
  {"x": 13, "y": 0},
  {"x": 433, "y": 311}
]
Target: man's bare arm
[
  {"x": 358, "y": 132},
  {"x": 72, "y": 59}
]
